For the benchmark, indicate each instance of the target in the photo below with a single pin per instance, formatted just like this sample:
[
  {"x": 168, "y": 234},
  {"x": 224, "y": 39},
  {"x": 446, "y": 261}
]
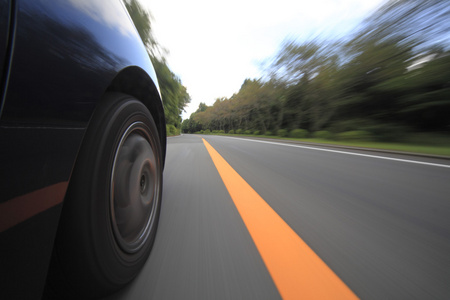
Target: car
[{"x": 82, "y": 149}]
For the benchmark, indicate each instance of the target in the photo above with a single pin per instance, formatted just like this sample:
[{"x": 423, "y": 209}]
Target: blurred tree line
[
  {"x": 389, "y": 78},
  {"x": 174, "y": 95}
]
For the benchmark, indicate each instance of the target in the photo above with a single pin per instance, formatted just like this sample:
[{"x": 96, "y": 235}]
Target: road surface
[{"x": 379, "y": 224}]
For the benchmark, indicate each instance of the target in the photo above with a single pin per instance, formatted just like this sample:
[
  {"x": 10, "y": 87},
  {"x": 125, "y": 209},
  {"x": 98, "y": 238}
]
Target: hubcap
[{"x": 134, "y": 188}]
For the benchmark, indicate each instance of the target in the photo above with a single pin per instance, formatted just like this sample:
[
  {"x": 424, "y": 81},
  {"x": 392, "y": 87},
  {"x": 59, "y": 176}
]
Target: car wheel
[{"x": 110, "y": 215}]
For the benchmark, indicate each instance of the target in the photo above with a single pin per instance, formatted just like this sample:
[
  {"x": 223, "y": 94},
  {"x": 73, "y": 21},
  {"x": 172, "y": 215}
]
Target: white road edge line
[{"x": 343, "y": 152}]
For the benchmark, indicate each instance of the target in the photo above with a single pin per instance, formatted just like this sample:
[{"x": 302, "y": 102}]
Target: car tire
[{"x": 111, "y": 211}]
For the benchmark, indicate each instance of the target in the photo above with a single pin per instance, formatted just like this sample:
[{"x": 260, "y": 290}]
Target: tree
[
  {"x": 389, "y": 77},
  {"x": 380, "y": 83},
  {"x": 142, "y": 21},
  {"x": 174, "y": 95},
  {"x": 307, "y": 70}
]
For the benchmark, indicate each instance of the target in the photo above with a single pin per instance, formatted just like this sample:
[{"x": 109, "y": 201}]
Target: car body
[{"x": 58, "y": 61}]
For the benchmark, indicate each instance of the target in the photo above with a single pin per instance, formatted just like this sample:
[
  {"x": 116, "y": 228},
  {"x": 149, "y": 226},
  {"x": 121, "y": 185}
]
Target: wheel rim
[{"x": 134, "y": 188}]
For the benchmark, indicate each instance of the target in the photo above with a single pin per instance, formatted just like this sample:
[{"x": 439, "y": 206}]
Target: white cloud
[{"x": 214, "y": 46}]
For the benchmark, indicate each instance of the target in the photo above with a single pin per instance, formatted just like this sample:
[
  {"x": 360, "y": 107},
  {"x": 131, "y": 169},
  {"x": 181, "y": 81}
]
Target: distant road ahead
[{"x": 381, "y": 223}]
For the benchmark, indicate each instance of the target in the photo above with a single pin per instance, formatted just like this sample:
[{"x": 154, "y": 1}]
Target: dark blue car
[{"x": 82, "y": 149}]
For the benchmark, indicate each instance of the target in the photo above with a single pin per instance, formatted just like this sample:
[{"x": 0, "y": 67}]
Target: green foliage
[
  {"x": 174, "y": 95},
  {"x": 248, "y": 132},
  {"x": 231, "y": 131},
  {"x": 298, "y": 133},
  {"x": 282, "y": 132},
  {"x": 185, "y": 126},
  {"x": 390, "y": 77},
  {"x": 322, "y": 134},
  {"x": 207, "y": 131},
  {"x": 354, "y": 135},
  {"x": 349, "y": 125},
  {"x": 202, "y": 107},
  {"x": 221, "y": 131},
  {"x": 386, "y": 132},
  {"x": 142, "y": 21},
  {"x": 427, "y": 138},
  {"x": 171, "y": 130},
  {"x": 256, "y": 132}
]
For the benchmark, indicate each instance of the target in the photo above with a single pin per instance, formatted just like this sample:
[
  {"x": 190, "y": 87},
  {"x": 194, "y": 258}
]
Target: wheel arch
[
  {"x": 136, "y": 82},
  {"x": 88, "y": 199}
]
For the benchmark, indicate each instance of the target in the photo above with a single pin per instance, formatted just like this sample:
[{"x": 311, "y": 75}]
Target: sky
[{"x": 214, "y": 46}]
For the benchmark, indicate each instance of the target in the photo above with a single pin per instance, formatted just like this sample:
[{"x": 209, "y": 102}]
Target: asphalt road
[{"x": 381, "y": 222}]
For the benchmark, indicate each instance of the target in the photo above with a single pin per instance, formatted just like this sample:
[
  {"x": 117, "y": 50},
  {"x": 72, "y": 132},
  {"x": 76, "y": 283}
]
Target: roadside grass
[{"x": 441, "y": 150}]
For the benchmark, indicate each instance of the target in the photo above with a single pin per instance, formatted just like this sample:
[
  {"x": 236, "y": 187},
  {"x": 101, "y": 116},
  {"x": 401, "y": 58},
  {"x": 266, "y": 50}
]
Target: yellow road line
[{"x": 297, "y": 271}]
